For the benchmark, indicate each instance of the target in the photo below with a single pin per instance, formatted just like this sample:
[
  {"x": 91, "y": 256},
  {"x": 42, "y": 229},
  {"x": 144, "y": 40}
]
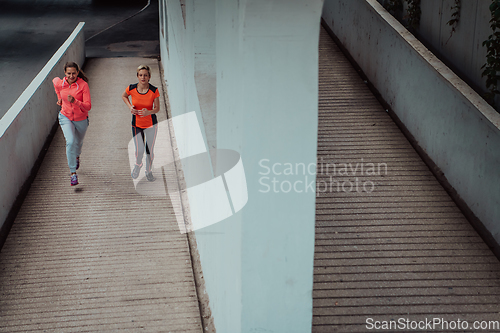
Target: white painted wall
[
  {"x": 26, "y": 125},
  {"x": 453, "y": 124},
  {"x": 249, "y": 70}
]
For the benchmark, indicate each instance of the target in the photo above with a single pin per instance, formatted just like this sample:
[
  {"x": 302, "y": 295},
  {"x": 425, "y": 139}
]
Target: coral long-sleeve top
[{"x": 79, "y": 109}]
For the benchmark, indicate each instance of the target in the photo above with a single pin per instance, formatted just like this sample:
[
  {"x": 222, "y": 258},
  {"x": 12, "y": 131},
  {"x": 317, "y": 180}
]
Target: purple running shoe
[{"x": 74, "y": 179}]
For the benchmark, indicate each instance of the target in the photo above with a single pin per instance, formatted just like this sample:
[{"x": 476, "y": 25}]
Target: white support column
[{"x": 257, "y": 263}]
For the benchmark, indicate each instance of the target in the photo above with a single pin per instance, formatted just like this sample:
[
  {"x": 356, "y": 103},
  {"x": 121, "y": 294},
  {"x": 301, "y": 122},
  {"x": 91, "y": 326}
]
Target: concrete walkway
[
  {"x": 98, "y": 257},
  {"x": 393, "y": 244}
]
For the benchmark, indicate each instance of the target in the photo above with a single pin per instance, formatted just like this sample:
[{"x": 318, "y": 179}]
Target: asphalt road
[{"x": 31, "y": 31}]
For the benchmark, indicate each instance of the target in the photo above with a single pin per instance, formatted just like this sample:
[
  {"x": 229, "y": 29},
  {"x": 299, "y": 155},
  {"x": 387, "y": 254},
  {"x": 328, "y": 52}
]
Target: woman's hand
[
  {"x": 133, "y": 110},
  {"x": 144, "y": 112},
  {"x": 59, "y": 102},
  {"x": 71, "y": 99}
]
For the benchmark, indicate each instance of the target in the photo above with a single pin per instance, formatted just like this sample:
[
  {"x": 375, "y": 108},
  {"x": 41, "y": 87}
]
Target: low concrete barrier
[
  {"x": 453, "y": 125},
  {"x": 27, "y": 124}
]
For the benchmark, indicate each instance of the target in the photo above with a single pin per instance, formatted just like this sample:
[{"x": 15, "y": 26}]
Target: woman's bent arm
[
  {"x": 86, "y": 104},
  {"x": 127, "y": 101}
]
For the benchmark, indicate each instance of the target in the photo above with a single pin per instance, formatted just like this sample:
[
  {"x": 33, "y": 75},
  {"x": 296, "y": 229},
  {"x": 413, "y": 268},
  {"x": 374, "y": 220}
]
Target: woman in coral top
[
  {"x": 73, "y": 95},
  {"x": 145, "y": 104}
]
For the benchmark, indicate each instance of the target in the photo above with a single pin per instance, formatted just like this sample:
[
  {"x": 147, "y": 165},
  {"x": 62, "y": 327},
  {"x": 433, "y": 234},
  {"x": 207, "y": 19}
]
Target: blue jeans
[{"x": 74, "y": 132}]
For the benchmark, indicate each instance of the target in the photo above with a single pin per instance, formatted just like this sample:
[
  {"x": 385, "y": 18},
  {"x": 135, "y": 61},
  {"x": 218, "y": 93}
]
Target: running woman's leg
[
  {"x": 68, "y": 129},
  {"x": 81, "y": 129},
  {"x": 139, "y": 144},
  {"x": 151, "y": 133}
]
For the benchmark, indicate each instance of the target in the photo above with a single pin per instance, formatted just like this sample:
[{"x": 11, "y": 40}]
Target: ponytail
[{"x": 81, "y": 74}]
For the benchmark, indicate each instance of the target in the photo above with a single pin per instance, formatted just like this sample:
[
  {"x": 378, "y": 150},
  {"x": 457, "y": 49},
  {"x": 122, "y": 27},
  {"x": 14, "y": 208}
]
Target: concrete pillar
[{"x": 253, "y": 82}]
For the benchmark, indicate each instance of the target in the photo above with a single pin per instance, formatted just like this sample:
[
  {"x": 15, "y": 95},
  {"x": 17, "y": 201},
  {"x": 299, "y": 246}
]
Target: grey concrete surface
[
  {"x": 32, "y": 30},
  {"x": 401, "y": 250},
  {"x": 98, "y": 257},
  {"x": 451, "y": 123}
]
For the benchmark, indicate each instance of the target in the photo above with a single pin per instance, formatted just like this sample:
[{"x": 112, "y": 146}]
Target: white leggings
[{"x": 149, "y": 134}]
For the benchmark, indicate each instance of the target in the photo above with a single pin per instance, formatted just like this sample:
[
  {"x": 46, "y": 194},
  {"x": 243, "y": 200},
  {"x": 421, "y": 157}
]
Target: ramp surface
[{"x": 391, "y": 245}]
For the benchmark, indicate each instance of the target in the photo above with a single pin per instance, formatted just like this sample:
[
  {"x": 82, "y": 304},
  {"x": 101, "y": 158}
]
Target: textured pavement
[
  {"x": 98, "y": 257},
  {"x": 390, "y": 242}
]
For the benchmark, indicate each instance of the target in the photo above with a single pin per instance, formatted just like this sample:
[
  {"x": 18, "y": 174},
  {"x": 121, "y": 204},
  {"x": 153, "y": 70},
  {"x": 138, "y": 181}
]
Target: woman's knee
[{"x": 70, "y": 141}]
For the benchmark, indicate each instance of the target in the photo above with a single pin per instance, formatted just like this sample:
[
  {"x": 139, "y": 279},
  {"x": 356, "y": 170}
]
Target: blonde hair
[{"x": 146, "y": 67}]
